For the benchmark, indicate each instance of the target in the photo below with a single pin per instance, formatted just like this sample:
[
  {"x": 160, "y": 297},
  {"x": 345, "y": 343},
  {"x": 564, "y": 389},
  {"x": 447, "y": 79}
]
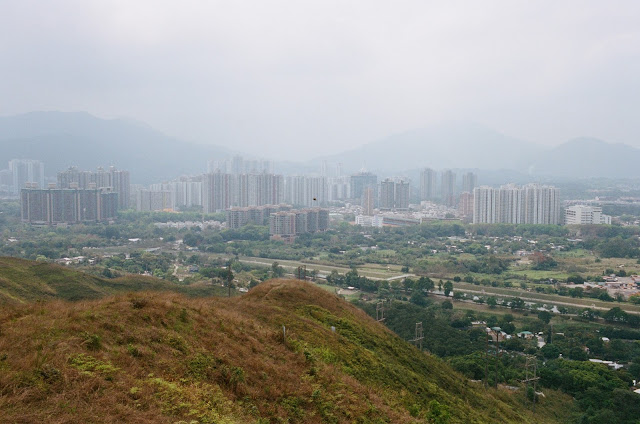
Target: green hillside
[
  {"x": 165, "y": 358},
  {"x": 27, "y": 281}
]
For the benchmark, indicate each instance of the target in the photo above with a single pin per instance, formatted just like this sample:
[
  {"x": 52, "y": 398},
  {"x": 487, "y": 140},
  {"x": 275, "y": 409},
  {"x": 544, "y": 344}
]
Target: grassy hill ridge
[
  {"x": 24, "y": 281},
  {"x": 163, "y": 357}
]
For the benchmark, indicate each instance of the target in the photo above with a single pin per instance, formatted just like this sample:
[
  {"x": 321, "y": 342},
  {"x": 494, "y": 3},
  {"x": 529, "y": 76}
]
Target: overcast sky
[{"x": 294, "y": 79}]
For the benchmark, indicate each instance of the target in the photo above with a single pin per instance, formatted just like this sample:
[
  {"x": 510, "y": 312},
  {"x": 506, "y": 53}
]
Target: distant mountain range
[
  {"x": 460, "y": 145},
  {"x": 447, "y": 145},
  {"x": 588, "y": 157},
  {"x": 63, "y": 139}
]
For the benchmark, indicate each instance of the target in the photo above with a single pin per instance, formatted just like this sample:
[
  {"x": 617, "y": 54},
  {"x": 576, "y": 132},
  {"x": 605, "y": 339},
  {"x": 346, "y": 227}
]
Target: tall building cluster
[
  {"x": 23, "y": 172},
  {"x": 154, "y": 200},
  {"x": 394, "y": 194},
  {"x": 117, "y": 181},
  {"x": 338, "y": 188},
  {"x": 306, "y": 191},
  {"x": 253, "y": 215},
  {"x": 510, "y": 204},
  {"x": 359, "y": 182},
  {"x": 223, "y": 191},
  {"x": 185, "y": 192},
  {"x": 287, "y": 225},
  {"x": 67, "y": 206}
]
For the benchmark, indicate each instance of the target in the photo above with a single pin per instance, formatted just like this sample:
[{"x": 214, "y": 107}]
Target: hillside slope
[
  {"x": 23, "y": 281},
  {"x": 164, "y": 358}
]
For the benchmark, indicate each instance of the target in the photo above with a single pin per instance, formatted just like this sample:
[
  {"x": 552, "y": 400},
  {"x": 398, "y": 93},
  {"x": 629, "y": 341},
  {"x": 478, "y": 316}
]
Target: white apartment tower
[
  {"x": 532, "y": 204},
  {"x": 485, "y": 205}
]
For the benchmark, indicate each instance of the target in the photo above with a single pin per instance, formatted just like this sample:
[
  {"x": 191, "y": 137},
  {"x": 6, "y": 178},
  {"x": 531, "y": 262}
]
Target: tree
[
  {"x": 492, "y": 321},
  {"x": 542, "y": 262},
  {"x": 408, "y": 284},
  {"x": 589, "y": 314},
  {"x": 424, "y": 284},
  {"x": 492, "y": 302},
  {"x": 508, "y": 327},
  {"x": 418, "y": 298},
  {"x": 447, "y": 305},
  {"x": 448, "y": 288},
  {"x": 615, "y": 315},
  {"x": 334, "y": 278},
  {"x": 517, "y": 303},
  {"x": 545, "y": 316},
  {"x": 576, "y": 292},
  {"x": 276, "y": 270}
]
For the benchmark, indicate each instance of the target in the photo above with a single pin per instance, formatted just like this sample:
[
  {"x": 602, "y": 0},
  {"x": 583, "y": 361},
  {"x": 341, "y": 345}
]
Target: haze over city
[{"x": 291, "y": 80}]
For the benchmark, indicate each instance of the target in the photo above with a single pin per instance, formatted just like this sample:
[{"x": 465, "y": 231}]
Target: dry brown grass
[{"x": 165, "y": 358}]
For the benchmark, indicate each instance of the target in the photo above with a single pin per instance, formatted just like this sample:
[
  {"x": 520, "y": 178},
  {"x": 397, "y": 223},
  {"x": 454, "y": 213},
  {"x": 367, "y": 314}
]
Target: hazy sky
[{"x": 293, "y": 79}]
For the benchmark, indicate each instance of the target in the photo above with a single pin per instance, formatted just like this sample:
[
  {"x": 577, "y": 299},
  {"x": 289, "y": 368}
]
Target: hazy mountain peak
[
  {"x": 449, "y": 144},
  {"x": 62, "y": 139}
]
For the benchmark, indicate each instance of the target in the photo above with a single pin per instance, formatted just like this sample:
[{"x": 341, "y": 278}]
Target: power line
[
  {"x": 531, "y": 368},
  {"x": 418, "y": 335},
  {"x": 380, "y": 312}
]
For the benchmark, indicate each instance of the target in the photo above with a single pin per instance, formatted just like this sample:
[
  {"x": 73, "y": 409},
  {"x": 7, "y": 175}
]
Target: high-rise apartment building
[
  {"x": 291, "y": 223},
  {"x": 402, "y": 194},
  {"x": 394, "y": 194},
  {"x": 117, "y": 181},
  {"x": 222, "y": 191},
  {"x": 532, "y": 204},
  {"x": 465, "y": 205},
  {"x": 121, "y": 184},
  {"x": 361, "y": 181},
  {"x": 427, "y": 184},
  {"x": 237, "y": 165},
  {"x": 448, "y": 188},
  {"x": 368, "y": 201},
  {"x": 67, "y": 206},
  {"x": 25, "y": 171},
  {"x": 153, "y": 201},
  {"x": 217, "y": 190},
  {"x": 306, "y": 191},
  {"x": 485, "y": 205},
  {"x": 510, "y": 205},
  {"x": 387, "y": 194},
  {"x": 186, "y": 192},
  {"x": 542, "y": 205},
  {"x": 338, "y": 188},
  {"x": 256, "y": 215},
  {"x": 469, "y": 182}
]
